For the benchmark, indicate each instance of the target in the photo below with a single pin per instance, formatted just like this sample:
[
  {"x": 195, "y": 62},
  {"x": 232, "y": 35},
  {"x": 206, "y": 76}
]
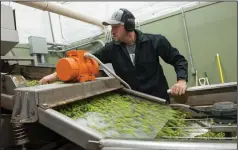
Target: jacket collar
[{"x": 140, "y": 38}]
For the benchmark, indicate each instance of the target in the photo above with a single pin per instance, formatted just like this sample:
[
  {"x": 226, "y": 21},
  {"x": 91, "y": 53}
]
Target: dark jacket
[{"x": 147, "y": 75}]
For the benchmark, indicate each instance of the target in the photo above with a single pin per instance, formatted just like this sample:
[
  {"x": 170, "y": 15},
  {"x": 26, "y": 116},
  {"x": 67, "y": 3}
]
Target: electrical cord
[{"x": 106, "y": 68}]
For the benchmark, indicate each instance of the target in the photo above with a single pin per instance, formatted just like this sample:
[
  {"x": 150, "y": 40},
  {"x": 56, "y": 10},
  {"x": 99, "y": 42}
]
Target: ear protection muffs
[{"x": 129, "y": 20}]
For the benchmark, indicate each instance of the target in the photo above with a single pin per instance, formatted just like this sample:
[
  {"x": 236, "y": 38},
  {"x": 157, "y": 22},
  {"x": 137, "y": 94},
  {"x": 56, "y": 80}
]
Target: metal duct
[{"x": 59, "y": 9}]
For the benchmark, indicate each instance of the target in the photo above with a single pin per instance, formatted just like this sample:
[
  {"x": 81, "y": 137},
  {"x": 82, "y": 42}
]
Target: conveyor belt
[{"x": 40, "y": 104}]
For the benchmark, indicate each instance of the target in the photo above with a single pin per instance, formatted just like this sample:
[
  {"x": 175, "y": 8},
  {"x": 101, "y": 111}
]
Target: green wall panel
[{"x": 212, "y": 29}]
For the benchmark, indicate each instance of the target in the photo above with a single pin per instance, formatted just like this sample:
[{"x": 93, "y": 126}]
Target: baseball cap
[{"x": 118, "y": 17}]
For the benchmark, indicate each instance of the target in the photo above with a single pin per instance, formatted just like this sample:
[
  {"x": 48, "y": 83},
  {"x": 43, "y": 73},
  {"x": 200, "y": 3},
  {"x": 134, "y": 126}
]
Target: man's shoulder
[
  {"x": 149, "y": 36},
  {"x": 156, "y": 39},
  {"x": 153, "y": 36}
]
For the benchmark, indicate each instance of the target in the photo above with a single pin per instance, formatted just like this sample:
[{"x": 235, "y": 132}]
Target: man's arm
[
  {"x": 172, "y": 56},
  {"x": 49, "y": 78},
  {"x": 104, "y": 53}
]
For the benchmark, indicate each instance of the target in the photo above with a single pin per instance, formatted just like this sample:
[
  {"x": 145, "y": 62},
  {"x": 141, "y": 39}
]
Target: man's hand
[
  {"x": 44, "y": 80},
  {"x": 179, "y": 88},
  {"x": 50, "y": 78}
]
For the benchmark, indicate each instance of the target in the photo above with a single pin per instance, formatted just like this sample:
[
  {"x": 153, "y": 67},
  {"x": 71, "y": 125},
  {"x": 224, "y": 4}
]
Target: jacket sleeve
[
  {"x": 172, "y": 56},
  {"x": 104, "y": 53}
]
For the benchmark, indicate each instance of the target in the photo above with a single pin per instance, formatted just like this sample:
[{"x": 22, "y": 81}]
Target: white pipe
[
  {"x": 193, "y": 70},
  {"x": 55, "y": 44},
  {"x": 61, "y": 10},
  {"x": 51, "y": 28}
]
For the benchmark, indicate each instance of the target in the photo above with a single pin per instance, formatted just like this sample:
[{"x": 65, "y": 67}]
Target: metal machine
[{"x": 29, "y": 115}]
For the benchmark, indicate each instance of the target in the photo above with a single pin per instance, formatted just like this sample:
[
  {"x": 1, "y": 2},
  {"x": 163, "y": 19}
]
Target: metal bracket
[
  {"x": 207, "y": 94},
  {"x": 25, "y": 109}
]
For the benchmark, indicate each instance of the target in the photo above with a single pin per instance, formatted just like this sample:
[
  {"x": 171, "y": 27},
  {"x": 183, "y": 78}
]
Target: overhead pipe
[
  {"x": 56, "y": 44},
  {"x": 61, "y": 10}
]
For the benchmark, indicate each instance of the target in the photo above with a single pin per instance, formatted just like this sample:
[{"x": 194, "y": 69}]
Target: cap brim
[{"x": 111, "y": 22}]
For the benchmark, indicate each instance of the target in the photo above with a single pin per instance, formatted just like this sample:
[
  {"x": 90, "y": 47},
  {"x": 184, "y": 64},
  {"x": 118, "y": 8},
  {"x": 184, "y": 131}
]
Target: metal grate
[{"x": 198, "y": 127}]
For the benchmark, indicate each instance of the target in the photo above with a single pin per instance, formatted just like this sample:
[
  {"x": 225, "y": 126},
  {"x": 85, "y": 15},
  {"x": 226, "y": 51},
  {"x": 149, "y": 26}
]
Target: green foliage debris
[
  {"x": 117, "y": 115},
  {"x": 32, "y": 82},
  {"x": 120, "y": 115},
  {"x": 36, "y": 82},
  {"x": 212, "y": 134},
  {"x": 174, "y": 126}
]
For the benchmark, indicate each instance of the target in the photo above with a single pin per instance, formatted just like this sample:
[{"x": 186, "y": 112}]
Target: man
[{"x": 135, "y": 58}]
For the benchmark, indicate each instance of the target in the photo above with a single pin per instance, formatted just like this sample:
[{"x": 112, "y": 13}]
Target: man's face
[{"x": 118, "y": 32}]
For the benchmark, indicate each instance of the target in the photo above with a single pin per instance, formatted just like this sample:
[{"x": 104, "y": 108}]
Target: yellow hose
[{"x": 220, "y": 70}]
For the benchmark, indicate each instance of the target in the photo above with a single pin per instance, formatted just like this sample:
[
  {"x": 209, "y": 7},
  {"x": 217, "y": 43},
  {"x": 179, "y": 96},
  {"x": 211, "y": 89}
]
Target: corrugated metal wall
[{"x": 212, "y": 29}]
